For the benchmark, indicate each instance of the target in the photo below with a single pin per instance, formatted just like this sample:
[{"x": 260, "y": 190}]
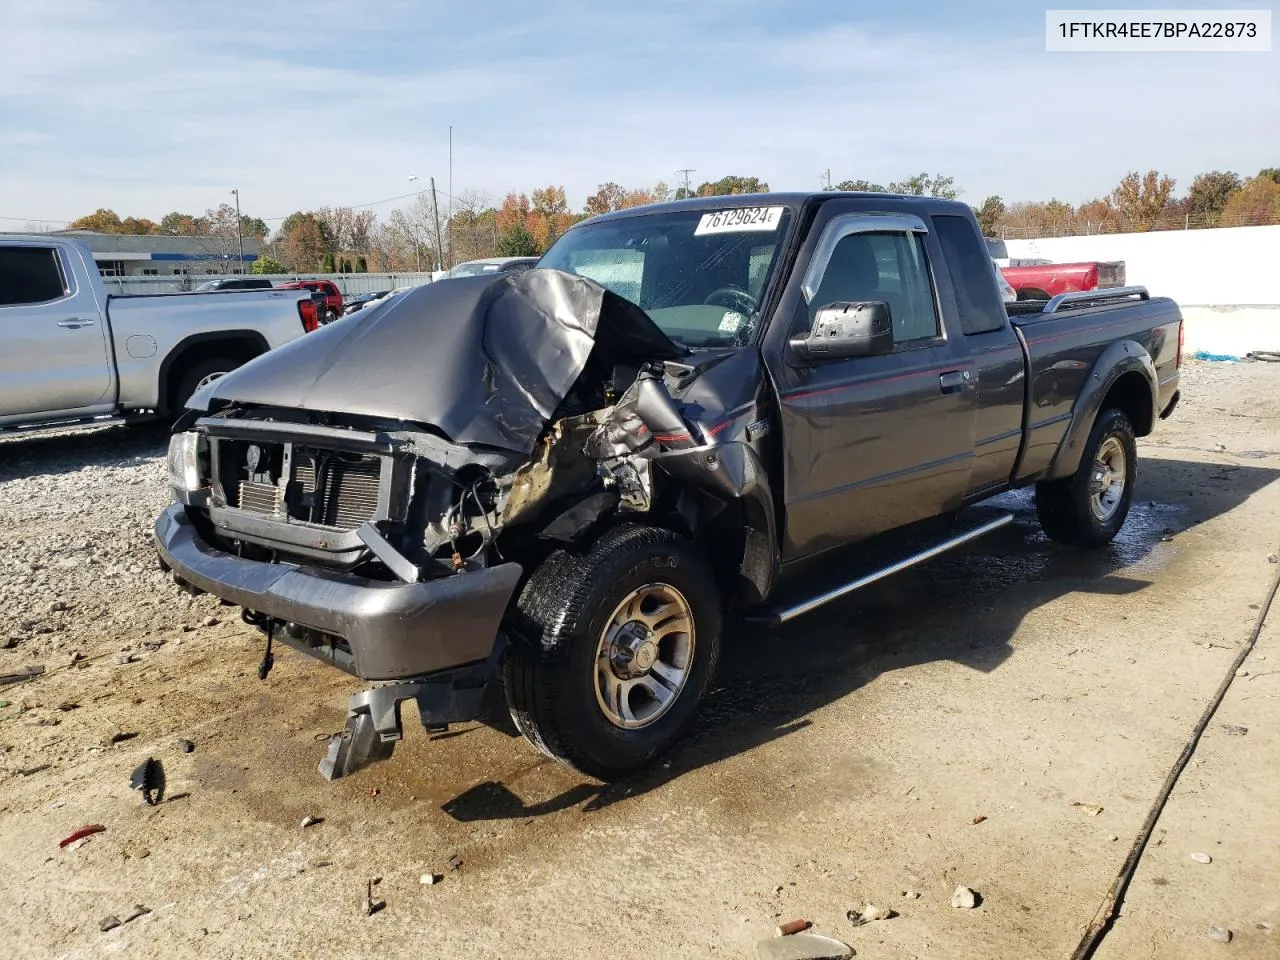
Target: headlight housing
[{"x": 188, "y": 467}]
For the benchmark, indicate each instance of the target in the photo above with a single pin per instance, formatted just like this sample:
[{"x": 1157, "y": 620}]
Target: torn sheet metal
[{"x": 486, "y": 360}]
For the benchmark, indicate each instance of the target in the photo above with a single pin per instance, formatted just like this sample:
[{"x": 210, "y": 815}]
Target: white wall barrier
[{"x": 1232, "y": 266}]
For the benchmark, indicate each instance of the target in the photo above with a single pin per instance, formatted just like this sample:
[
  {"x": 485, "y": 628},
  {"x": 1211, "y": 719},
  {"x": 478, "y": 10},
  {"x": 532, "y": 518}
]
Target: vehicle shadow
[
  {"x": 52, "y": 453},
  {"x": 964, "y": 606}
]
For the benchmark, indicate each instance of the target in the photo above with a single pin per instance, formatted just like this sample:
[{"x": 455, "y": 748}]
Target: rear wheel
[
  {"x": 1088, "y": 508},
  {"x": 612, "y": 649},
  {"x": 196, "y": 376}
]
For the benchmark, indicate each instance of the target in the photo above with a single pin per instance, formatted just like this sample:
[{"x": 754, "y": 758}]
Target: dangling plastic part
[{"x": 268, "y": 659}]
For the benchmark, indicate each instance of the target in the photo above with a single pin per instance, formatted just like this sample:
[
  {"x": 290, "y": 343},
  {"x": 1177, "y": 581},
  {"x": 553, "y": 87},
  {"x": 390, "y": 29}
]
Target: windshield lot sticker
[
  {"x": 732, "y": 322},
  {"x": 740, "y": 220}
]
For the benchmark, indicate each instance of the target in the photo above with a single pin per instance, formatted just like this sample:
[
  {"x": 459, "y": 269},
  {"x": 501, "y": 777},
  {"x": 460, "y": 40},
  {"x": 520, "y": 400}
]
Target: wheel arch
[
  {"x": 1122, "y": 378},
  {"x": 244, "y": 345}
]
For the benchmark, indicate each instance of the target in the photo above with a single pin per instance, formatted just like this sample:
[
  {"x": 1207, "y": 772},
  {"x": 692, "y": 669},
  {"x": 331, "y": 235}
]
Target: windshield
[
  {"x": 699, "y": 274},
  {"x": 997, "y": 249}
]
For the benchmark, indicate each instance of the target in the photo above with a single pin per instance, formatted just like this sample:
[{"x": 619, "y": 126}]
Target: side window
[
  {"x": 971, "y": 270},
  {"x": 30, "y": 275},
  {"x": 887, "y": 266}
]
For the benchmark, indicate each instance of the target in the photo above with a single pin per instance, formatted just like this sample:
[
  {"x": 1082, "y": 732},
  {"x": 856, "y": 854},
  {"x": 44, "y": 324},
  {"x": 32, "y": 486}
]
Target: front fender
[
  {"x": 733, "y": 472},
  {"x": 1121, "y": 358}
]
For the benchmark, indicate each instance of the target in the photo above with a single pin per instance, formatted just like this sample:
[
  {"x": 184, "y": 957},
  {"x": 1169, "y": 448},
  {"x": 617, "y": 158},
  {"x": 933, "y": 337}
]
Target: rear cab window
[
  {"x": 972, "y": 273},
  {"x": 31, "y": 275}
]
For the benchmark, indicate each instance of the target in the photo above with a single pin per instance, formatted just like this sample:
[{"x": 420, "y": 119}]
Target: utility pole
[
  {"x": 450, "y": 220},
  {"x": 239, "y": 233},
  {"x": 827, "y": 177},
  {"x": 435, "y": 208},
  {"x": 685, "y": 171}
]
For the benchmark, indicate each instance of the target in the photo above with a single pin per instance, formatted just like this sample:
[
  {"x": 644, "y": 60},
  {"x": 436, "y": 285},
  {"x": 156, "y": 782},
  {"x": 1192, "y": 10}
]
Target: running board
[{"x": 973, "y": 532}]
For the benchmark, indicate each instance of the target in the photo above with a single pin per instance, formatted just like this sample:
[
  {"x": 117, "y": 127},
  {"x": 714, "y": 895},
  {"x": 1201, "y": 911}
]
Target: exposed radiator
[{"x": 264, "y": 498}]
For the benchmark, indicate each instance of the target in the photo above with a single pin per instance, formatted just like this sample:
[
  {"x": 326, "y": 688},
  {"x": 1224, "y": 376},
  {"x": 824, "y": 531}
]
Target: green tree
[
  {"x": 661, "y": 192},
  {"x": 1141, "y": 198},
  {"x": 923, "y": 185},
  {"x": 517, "y": 241},
  {"x": 730, "y": 186},
  {"x": 266, "y": 264},
  {"x": 101, "y": 220},
  {"x": 990, "y": 216},
  {"x": 327, "y": 265},
  {"x": 362, "y": 265},
  {"x": 1270, "y": 173},
  {"x": 253, "y": 227},
  {"x": 1209, "y": 194},
  {"x": 859, "y": 186}
]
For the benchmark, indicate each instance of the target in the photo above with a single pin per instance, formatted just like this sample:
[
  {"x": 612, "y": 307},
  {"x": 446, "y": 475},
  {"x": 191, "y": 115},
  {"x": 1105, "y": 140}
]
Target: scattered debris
[
  {"x": 149, "y": 778},
  {"x": 803, "y": 946},
  {"x": 88, "y": 830},
  {"x": 136, "y": 853},
  {"x": 68, "y": 705},
  {"x": 1113, "y": 838},
  {"x": 978, "y": 819},
  {"x": 1242, "y": 672},
  {"x": 108, "y": 923},
  {"x": 137, "y": 911},
  {"x": 1235, "y": 730},
  {"x": 455, "y": 862},
  {"x": 964, "y": 899},
  {"x": 1201, "y": 857},
  {"x": 317, "y": 864},
  {"x": 792, "y": 927},
  {"x": 38, "y": 768},
  {"x": 123, "y": 735},
  {"x": 210, "y": 622},
  {"x": 1265, "y": 927},
  {"x": 372, "y": 906},
  {"x": 1219, "y": 934},
  {"x": 1272, "y": 558},
  {"x": 911, "y": 894},
  {"x": 186, "y": 746},
  {"x": 430, "y": 879},
  {"x": 374, "y": 791},
  {"x": 8, "y": 643},
  {"x": 47, "y": 722},
  {"x": 869, "y": 913},
  {"x": 310, "y": 821},
  {"x": 26, "y": 673},
  {"x": 124, "y": 657},
  {"x": 1092, "y": 809}
]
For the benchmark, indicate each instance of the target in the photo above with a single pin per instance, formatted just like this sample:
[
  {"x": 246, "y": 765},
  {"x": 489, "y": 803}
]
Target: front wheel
[
  {"x": 612, "y": 648},
  {"x": 196, "y": 376},
  {"x": 1088, "y": 508}
]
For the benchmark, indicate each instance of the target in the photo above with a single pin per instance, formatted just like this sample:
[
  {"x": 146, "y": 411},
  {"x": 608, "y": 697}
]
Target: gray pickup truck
[
  {"x": 71, "y": 354},
  {"x": 566, "y": 480}
]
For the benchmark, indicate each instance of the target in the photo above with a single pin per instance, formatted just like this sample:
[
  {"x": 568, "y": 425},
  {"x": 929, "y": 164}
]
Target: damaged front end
[{"x": 374, "y": 495}]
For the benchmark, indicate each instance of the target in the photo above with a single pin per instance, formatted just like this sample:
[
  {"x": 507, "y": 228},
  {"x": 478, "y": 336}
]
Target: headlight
[{"x": 188, "y": 455}]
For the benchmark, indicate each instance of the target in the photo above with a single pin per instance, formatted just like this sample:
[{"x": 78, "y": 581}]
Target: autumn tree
[
  {"x": 1141, "y": 198},
  {"x": 990, "y": 216},
  {"x": 302, "y": 242},
  {"x": 1255, "y": 203},
  {"x": 1209, "y": 194},
  {"x": 182, "y": 225},
  {"x": 471, "y": 231},
  {"x": 608, "y": 197},
  {"x": 1098, "y": 216},
  {"x": 923, "y": 185},
  {"x": 549, "y": 216},
  {"x": 661, "y": 192},
  {"x": 514, "y": 210},
  {"x": 101, "y": 220}
]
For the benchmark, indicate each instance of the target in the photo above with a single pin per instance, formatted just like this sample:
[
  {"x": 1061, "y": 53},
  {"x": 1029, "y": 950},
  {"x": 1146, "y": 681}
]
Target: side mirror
[{"x": 842, "y": 330}]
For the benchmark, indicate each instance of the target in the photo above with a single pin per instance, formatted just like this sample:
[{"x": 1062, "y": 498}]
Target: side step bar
[{"x": 782, "y": 615}]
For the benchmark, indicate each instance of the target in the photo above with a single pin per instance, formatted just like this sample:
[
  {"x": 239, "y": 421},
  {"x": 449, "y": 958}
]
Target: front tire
[
  {"x": 612, "y": 648},
  {"x": 1088, "y": 508},
  {"x": 195, "y": 377}
]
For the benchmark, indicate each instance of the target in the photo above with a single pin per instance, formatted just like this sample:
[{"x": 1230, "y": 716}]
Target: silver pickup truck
[{"x": 71, "y": 353}]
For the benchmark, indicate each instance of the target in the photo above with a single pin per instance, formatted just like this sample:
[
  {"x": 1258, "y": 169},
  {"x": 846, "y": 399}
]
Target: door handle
[
  {"x": 954, "y": 381},
  {"x": 75, "y": 323}
]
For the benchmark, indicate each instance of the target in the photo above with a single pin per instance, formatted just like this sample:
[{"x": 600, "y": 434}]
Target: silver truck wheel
[
  {"x": 1088, "y": 508},
  {"x": 644, "y": 655}
]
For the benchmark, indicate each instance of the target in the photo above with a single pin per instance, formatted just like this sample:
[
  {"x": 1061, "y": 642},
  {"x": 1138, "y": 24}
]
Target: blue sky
[{"x": 148, "y": 106}]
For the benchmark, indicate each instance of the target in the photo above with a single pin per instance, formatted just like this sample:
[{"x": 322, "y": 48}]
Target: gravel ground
[{"x": 885, "y": 744}]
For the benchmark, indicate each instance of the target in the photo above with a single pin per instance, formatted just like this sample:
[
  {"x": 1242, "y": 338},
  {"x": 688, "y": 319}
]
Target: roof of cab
[{"x": 793, "y": 199}]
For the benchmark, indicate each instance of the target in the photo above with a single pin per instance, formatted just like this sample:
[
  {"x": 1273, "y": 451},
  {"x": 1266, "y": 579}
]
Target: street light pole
[{"x": 239, "y": 232}]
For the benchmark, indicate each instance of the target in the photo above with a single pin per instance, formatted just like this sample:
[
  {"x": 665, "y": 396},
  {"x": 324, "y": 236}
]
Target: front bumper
[{"x": 395, "y": 631}]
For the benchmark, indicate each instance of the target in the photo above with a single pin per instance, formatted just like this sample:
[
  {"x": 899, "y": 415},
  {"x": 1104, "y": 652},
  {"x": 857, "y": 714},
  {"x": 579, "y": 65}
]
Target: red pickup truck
[
  {"x": 1043, "y": 279},
  {"x": 332, "y": 295}
]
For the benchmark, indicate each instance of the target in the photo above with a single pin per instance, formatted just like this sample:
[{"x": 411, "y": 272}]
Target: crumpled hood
[{"x": 487, "y": 360}]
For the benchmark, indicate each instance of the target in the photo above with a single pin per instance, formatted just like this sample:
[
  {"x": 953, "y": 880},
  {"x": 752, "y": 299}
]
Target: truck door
[
  {"x": 53, "y": 341},
  {"x": 874, "y": 442}
]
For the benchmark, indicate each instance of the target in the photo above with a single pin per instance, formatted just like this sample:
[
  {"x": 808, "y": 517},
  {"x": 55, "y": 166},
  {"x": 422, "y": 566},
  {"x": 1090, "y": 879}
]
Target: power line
[{"x": 686, "y": 171}]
